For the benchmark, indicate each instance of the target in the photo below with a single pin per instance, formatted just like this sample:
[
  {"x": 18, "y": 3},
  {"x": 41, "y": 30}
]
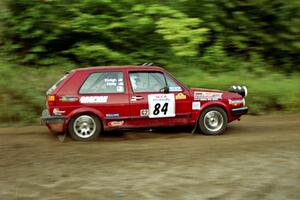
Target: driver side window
[{"x": 147, "y": 81}]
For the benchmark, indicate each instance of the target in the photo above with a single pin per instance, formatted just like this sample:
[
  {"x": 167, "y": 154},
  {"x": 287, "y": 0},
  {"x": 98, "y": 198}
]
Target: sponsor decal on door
[
  {"x": 180, "y": 96},
  {"x": 115, "y": 123}
]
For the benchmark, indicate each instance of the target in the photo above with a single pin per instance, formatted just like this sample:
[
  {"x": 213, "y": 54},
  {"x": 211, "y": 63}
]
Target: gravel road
[{"x": 257, "y": 158}]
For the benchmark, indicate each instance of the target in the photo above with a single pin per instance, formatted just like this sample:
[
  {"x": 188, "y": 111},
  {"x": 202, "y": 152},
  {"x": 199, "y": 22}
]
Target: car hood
[{"x": 210, "y": 94}]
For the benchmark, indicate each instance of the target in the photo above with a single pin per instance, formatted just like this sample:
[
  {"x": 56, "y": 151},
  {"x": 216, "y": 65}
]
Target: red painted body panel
[{"x": 120, "y": 111}]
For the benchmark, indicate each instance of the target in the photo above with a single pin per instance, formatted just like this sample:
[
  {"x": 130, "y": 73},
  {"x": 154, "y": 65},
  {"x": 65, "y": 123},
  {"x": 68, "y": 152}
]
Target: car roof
[{"x": 132, "y": 67}]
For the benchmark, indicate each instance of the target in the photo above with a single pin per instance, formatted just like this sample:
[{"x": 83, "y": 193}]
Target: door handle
[{"x": 136, "y": 98}]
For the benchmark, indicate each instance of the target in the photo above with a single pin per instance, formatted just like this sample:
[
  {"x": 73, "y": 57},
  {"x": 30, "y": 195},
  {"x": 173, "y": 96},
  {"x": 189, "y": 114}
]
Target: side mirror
[{"x": 165, "y": 89}]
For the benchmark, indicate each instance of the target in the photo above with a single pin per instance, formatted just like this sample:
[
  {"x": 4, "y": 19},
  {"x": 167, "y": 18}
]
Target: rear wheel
[
  {"x": 213, "y": 121},
  {"x": 84, "y": 127}
]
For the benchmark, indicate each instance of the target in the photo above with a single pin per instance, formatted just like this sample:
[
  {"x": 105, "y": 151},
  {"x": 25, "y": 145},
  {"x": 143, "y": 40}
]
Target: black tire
[
  {"x": 213, "y": 121},
  {"x": 84, "y": 127}
]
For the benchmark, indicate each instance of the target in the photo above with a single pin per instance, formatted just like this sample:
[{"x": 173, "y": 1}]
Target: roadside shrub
[{"x": 22, "y": 91}]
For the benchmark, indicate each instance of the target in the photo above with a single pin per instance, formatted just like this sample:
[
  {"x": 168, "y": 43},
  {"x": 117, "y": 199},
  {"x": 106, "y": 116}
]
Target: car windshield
[{"x": 53, "y": 87}]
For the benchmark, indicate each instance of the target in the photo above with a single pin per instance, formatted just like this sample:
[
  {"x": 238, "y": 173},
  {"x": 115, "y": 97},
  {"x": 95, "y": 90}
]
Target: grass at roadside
[
  {"x": 22, "y": 89},
  {"x": 267, "y": 92}
]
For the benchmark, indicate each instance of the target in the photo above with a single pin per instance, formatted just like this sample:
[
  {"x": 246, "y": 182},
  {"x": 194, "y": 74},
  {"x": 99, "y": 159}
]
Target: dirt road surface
[{"x": 257, "y": 158}]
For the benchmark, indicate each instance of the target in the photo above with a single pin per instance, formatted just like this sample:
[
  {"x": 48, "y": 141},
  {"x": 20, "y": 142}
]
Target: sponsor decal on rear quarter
[
  {"x": 93, "y": 99},
  {"x": 68, "y": 99},
  {"x": 56, "y": 111}
]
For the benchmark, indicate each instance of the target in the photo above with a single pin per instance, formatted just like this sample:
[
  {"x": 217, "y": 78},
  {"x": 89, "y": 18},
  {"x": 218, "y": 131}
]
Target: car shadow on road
[
  {"x": 135, "y": 134},
  {"x": 156, "y": 133}
]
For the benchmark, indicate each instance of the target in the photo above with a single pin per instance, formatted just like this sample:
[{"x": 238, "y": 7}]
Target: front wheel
[
  {"x": 213, "y": 121},
  {"x": 84, "y": 127}
]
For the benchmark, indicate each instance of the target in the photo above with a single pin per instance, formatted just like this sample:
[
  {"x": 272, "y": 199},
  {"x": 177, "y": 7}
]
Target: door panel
[{"x": 149, "y": 107}]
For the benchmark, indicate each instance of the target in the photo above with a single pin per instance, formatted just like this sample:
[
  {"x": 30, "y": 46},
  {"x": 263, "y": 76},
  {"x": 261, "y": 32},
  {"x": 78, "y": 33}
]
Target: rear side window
[
  {"x": 103, "y": 82},
  {"x": 58, "y": 83}
]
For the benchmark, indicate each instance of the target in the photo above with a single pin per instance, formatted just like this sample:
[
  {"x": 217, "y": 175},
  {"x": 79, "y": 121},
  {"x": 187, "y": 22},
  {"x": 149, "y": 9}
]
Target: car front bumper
[
  {"x": 239, "y": 111},
  {"x": 54, "y": 123}
]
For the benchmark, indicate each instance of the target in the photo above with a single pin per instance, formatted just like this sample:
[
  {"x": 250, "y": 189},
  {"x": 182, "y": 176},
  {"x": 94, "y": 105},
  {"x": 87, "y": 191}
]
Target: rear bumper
[
  {"x": 54, "y": 123},
  {"x": 239, "y": 111}
]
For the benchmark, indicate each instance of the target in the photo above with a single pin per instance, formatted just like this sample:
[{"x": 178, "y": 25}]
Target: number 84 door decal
[{"x": 161, "y": 105}]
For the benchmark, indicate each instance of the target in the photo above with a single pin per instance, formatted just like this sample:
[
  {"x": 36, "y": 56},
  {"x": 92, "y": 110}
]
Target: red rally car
[{"x": 87, "y": 101}]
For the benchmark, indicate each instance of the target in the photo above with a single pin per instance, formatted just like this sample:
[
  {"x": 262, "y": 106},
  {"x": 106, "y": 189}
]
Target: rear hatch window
[{"x": 53, "y": 87}]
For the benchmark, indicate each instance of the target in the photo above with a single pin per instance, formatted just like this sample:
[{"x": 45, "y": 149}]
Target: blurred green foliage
[
  {"x": 107, "y": 32},
  {"x": 205, "y": 43}
]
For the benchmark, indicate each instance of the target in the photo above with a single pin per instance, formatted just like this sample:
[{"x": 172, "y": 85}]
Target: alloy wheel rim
[
  {"x": 84, "y": 126},
  {"x": 213, "y": 121}
]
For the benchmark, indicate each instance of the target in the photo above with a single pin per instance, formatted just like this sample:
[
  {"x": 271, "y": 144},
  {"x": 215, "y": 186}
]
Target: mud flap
[
  {"x": 194, "y": 129},
  {"x": 196, "y": 126},
  {"x": 61, "y": 138}
]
